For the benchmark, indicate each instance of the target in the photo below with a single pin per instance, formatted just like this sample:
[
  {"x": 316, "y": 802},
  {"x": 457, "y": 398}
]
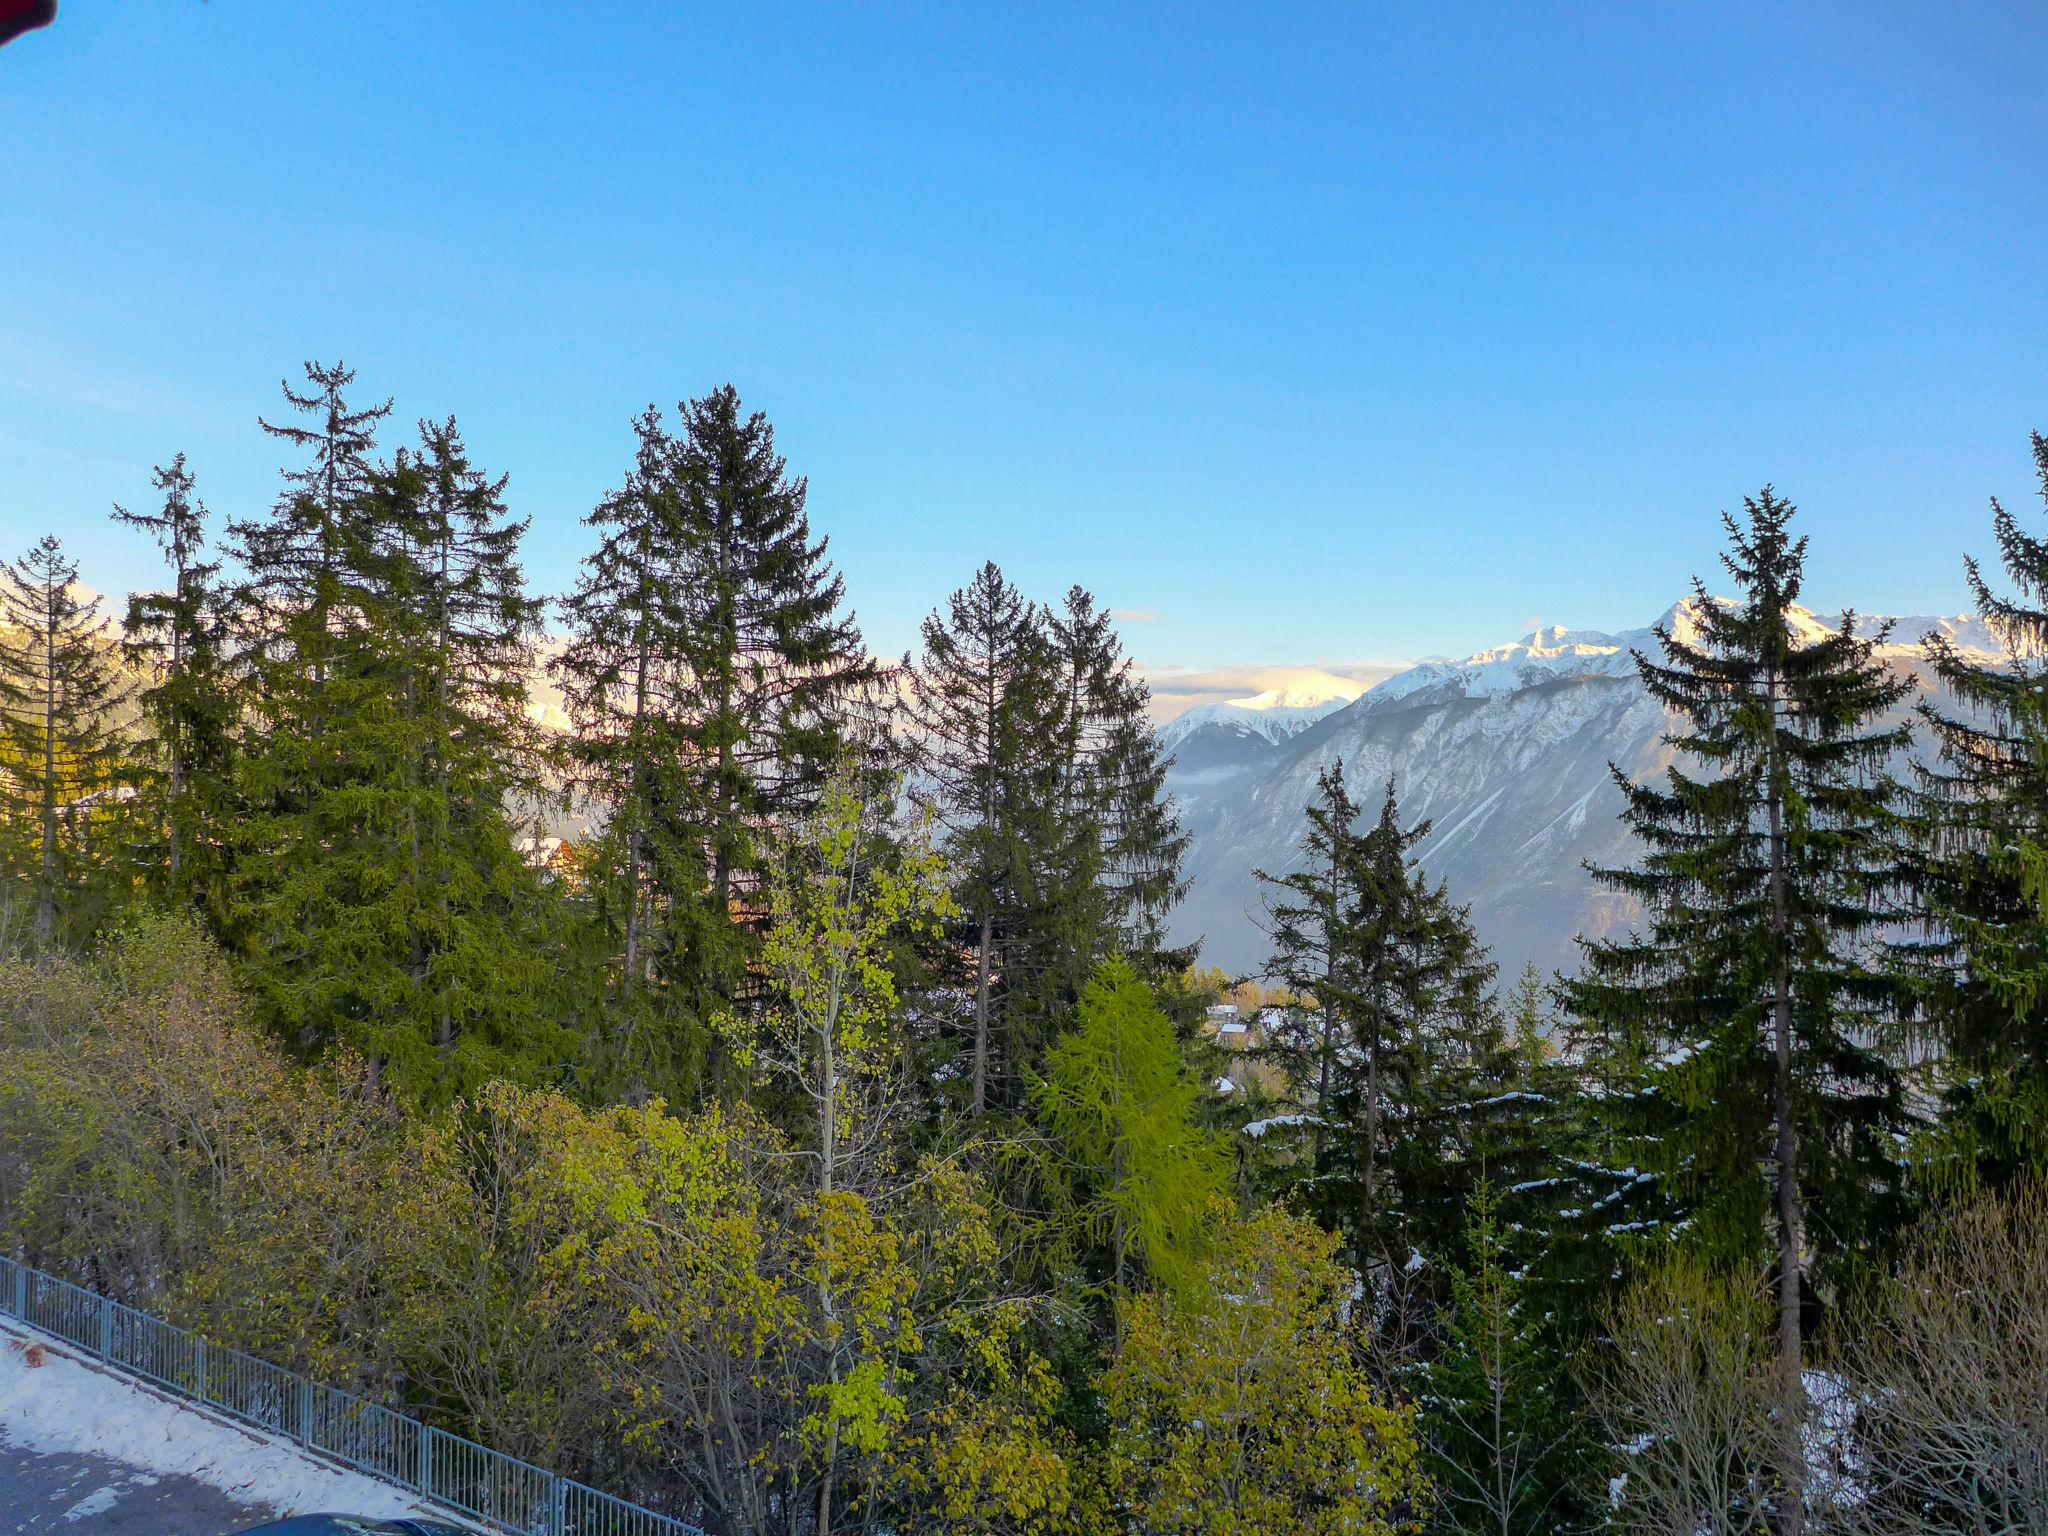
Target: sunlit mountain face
[{"x": 1505, "y": 752}]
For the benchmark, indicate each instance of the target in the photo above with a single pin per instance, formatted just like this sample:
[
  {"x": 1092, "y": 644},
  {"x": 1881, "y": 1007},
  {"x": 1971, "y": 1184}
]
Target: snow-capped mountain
[
  {"x": 1223, "y": 742},
  {"x": 1505, "y": 752},
  {"x": 1276, "y": 714}
]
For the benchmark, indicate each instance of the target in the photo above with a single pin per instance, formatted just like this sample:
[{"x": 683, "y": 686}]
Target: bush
[{"x": 1947, "y": 1369}]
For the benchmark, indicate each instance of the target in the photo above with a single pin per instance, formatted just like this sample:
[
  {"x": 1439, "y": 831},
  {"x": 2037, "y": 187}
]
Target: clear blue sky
[{"x": 1322, "y": 333}]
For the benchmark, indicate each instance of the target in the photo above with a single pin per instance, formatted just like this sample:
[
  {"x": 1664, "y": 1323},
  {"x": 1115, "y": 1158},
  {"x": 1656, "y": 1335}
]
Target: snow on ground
[{"x": 63, "y": 1406}]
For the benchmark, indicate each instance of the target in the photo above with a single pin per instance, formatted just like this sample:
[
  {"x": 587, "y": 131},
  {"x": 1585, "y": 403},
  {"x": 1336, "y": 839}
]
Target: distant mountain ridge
[
  {"x": 1276, "y": 714},
  {"x": 1505, "y": 751}
]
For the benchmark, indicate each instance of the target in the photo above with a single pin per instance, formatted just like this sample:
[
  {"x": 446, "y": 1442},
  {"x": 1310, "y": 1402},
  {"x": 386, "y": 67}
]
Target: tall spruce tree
[
  {"x": 1119, "y": 823},
  {"x": 298, "y": 616},
  {"x": 1310, "y": 911},
  {"x": 1757, "y": 1103},
  {"x": 1498, "y": 1411},
  {"x": 1985, "y": 816},
  {"x": 624, "y": 678},
  {"x": 383, "y": 904},
  {"x": 986, "y": 715},
  {"x": 451, "y": 632},
  {"x": 772, "y": 663},
  {"x": 61, "y": 692},
  {"x": 178, "y": 638},
  {"x": 296, "y": 602},
  {"x": 1402, "y": 1057}
]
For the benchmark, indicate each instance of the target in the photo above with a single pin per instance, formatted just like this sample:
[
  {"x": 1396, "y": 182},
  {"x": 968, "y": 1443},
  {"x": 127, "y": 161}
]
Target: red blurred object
[{"x": 19, "y": 16}]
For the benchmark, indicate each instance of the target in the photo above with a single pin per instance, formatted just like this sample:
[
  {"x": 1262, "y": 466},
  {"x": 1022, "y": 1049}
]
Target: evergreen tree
[
  {"x": 477, "y": 625},
  {"x": 178, "y": 638},
  {"x": 295, "y": 611},
  {"x": 1757, "y": 1105},
  {"x": 1498, "y": 1405},
  {"x": 1123, "y": 836},
  {"x": 772, "y": 661},
  {"x": 718, "y": 678},
  {"x": 1031, "y": 730},
  {"x": 1985, "y": 864},
  {"x": 61, "y": 692},
  {"x": 1403, "y": 1058},
  {"x": 986, "y": 715},
  {"x": 296, "y": 602},
  {"x": 452, "y": 632},
  {"x": 382, "y": 899},
  {"x": 624, "y": 679},
  {"x": 1310, "y": 911}
]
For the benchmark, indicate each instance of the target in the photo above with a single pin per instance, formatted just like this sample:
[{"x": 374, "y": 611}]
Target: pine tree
[
  {"x": 1402, "y": 1057},
  {"x": 382, "y": 903},
  {"x": 774, "y": 656},
  {"x": 178, "y": 638},
  {"x": 1311, "y": 911},
  {"x": 1122, "y": 832},
  {"x": 471, "y": 608},
  {"x": 295, "y": 611},
  {"x": 61, "y": 692},
  {"x": 1756, "y": 1101},
  {"x": 715, "y": 679},
  {"x": 772, "y": 663},
  {"x": 986, "y": 720},
  {"x": 1498, "y": 1404},
  {"x": 1985, "y": 817},
  {"x": 296, "y": 602},
  {"x": 623, "y": 674},
  {"x": 450, "y": 625}
]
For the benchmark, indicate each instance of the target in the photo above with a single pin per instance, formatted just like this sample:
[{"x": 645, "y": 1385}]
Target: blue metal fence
[{"x": 470, "y": 1479}]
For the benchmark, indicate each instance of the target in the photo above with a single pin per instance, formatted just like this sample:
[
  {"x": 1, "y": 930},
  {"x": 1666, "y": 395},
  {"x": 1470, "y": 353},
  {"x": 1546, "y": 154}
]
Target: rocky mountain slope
[{"x": 1506, "y": 752}]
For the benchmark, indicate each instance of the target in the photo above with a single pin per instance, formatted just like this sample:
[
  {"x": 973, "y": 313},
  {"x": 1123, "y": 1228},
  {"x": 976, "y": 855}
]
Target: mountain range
[{"x": 1505, "y": 753}]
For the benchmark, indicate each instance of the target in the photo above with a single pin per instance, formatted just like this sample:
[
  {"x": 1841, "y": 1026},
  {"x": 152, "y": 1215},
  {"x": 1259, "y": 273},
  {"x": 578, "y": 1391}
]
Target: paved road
[{"x": 91, "y": 1496}]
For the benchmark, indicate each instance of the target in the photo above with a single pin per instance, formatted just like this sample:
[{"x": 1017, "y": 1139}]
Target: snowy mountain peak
[
  {"x": 1277, "y": 714},
  {"x": 1554, "y": 652},
  {"x": 1301, "y": 696}
]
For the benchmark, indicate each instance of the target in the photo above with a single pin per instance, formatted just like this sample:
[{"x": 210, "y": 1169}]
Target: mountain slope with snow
[
  {"x": 1276, "y": 714},
  {"x": 1506, "y": 752}
]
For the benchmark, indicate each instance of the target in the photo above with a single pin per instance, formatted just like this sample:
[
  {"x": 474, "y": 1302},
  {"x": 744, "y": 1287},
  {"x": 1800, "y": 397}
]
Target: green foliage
[
  {"x": 1770, "y": 871},
  {"x": 1123, "y": 1110},
  {"x": 1396, "y": 1051},
  {"x": 1240, "y": 1403},
  {"x": 1498, "y": 1410},
  {"x": 622, "y": 679},
  {"x": 178, "y": 638},
  {"x": 943, "y": 1073},
  {"x": 1984, "y": 969},
  {"x": 62, "y": 758},
  {"x": 714, "y": 680},
  {"x": 154, "y": 1144},
  {"x": 846, "y": 894},
  {"x": 1030, "y": 729},
  {"x": 382, "y": 903}
]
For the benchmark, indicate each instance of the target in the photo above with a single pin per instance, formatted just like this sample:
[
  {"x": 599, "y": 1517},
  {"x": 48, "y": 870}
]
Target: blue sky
[{"x": 1317, "y": 335}]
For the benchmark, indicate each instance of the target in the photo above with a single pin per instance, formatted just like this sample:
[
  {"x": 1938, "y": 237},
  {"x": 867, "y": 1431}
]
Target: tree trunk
[
  {"x": 981, "y": 964},
  {"x": 175, "y": 726},
  {"x": 636, "y": 793},
  {"x": 46, "y": 897},
  {"x": 1791, "y": 1236}
]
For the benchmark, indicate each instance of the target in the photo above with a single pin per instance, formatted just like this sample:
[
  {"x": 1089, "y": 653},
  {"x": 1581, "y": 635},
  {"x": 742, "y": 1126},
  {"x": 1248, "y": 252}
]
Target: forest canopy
[{"x": 772, "y": 1096}]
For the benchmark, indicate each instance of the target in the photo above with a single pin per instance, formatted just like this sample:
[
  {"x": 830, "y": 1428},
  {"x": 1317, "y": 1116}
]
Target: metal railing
[{"x": 469, "y": 1479}]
